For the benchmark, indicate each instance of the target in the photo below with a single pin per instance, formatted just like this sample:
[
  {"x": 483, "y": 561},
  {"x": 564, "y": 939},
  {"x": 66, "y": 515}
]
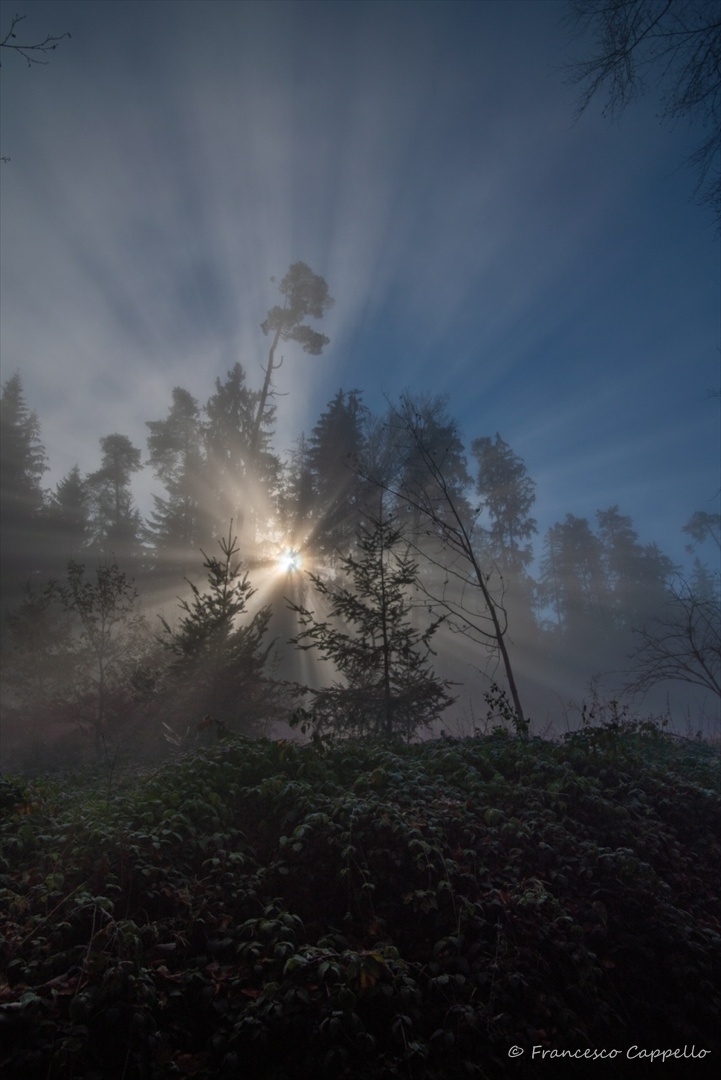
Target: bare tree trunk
[{"x": 272, "y": 366}]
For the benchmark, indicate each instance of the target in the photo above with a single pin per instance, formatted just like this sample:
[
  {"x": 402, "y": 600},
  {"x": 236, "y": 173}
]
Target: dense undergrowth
[{"x": 264, "y": 909}]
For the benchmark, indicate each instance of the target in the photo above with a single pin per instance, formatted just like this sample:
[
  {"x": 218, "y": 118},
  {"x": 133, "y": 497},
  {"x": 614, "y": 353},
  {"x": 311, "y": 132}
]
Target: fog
[{"x": 548, "y": 276}]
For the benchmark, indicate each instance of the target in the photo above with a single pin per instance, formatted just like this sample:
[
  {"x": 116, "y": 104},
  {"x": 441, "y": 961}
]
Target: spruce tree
[
  {"x": 240, "y": 473},
  {"x": 177, "y": 524},
  {"x": 22, "y": 465},
  {"x": 340, "y": 494},
  {"x": 637, "y": 574},
  {"x": 68, "y": 520},
  {"x": 386, "y": 686},
  {"x": 219, "y": 664},
  {"x": 115, "y": 521},
  {"x": 297, "y": 499},
  {"x": 507, "y": 494}
]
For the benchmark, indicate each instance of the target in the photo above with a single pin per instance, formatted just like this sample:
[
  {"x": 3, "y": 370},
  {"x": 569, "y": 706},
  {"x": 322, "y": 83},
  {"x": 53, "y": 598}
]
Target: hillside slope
[{"x": 264, "y": 909}]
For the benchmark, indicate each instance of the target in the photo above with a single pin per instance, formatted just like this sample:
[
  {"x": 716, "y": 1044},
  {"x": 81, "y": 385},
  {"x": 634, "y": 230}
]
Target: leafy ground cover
[{"x": 265, "y": 909}]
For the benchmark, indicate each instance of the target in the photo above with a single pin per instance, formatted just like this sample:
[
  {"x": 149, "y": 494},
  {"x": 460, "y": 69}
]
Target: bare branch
[
  {"x": 32, "y": 53},
  {"x": 674, "y": 44},
  {"x": 683, "y": 644}
]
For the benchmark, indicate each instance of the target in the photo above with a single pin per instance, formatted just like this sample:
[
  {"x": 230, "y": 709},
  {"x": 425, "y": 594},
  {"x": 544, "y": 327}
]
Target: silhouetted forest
[{"x": 407, "y": 562}]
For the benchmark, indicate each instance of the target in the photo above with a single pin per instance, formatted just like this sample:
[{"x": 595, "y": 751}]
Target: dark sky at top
[{"x": 551, "y": 276}]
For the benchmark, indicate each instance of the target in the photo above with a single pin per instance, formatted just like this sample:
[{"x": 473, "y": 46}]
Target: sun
[{"x": 289, "y": 562}]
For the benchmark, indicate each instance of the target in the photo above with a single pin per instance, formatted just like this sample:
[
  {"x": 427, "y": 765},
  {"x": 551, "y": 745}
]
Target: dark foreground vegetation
[{"x": 263, "y": 909}]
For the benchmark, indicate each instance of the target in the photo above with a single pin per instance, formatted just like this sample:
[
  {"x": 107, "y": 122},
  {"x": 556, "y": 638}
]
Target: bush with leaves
[
  {"x": 77, "y": 642},
  {"x": 365, "y": 910}
]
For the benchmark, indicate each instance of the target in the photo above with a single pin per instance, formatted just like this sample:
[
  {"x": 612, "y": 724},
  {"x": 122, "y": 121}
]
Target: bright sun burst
[{"x": 289, "y": 562}]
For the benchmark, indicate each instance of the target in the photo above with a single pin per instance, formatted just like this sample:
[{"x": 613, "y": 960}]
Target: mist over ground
[{"x": 542, "y": 287}]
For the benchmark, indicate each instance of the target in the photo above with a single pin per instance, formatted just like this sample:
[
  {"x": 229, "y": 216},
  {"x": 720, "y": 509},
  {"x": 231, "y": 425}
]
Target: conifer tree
[
  {"x": 636, "y": 574},
  {"x": 177, "y": 524},
  {"x": 240, "y": 473},
  {"x": 219, "y": 663},
  {"x": 386, "y": 685},
  {"x": 115, "y": 521},
  {"x": 507, "y": 495},
  {"x": 423, "y": 432},
  {"x": 22, "y": 465},
  {"x": 297, "y": 500},
  {"x": 703, "y": 526},
  {"x": 68, "y": 518},
  {"x": 304, "y": 294},
  {"x": 573, "y": 579},
  {"x": 340, "y": 494}
]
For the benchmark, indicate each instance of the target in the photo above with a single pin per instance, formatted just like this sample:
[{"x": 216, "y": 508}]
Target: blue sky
[{"x": 550, "y": 275}]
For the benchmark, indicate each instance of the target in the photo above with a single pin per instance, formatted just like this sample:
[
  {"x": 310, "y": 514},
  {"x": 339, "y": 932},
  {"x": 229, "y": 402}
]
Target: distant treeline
[{"x": 597, "y": 586}]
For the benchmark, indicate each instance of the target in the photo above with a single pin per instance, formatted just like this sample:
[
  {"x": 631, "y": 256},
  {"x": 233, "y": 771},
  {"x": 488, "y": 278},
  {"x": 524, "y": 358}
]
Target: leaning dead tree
[{"x": 427, "y": 482}]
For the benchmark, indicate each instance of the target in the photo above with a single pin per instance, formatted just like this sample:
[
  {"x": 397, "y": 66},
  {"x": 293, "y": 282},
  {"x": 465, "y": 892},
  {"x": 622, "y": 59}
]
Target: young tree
[
  {"x": 305, "y": 294},
  {"x": 103, "y": 619},
  {"x": 675, "y": 44},
  {"x": 388, "y": 687},
  {"x": 507, "y": 494},
  {"x": 37, "y": 671},
  {"x": 219, "y": 664},
  {"x": 115, "y": 521}
]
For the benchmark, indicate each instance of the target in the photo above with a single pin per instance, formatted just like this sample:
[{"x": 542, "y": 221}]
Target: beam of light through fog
[{"x": 551, "y": 277}]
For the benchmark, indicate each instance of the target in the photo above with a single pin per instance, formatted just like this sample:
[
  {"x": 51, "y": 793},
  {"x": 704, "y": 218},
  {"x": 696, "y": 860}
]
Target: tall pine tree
[
  {"x": 177, "y": 524},
  {"x": 67, "y": 516},
  {"x": 115, "y": 521},
  {"x": 22, "y": 465},
  {"x": 506, "y": 497},
  {"x": 636, "y": 574},
  {"x": 241, "y": 477},
  {"x": 304, "y": 294},
  {"x": 340, "y": 495}
]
